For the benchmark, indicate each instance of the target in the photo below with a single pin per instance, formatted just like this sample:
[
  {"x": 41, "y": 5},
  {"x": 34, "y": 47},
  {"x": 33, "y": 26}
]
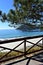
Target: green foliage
[
  {"x": 0, "y": 12},
  {"x": 24, "y": 10}
]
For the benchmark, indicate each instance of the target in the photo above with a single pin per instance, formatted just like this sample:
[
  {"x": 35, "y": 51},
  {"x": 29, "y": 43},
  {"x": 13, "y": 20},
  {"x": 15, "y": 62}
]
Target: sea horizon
[{"x": 14, "y": 33}]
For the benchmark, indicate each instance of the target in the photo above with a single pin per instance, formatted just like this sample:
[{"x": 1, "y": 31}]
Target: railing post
[
  {"x": 42, "y": 41},
  {"x": 25, "y": 48}
]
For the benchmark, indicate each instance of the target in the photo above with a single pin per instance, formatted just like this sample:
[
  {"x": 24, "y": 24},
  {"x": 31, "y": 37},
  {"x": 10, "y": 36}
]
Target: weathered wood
[
  {"x": 24, "y": 48},
  {"x": 24, "y": 40}
]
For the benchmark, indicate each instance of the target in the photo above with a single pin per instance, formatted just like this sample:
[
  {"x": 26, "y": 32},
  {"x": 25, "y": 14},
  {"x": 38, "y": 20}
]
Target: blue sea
[{"x": 13, "y": 33}]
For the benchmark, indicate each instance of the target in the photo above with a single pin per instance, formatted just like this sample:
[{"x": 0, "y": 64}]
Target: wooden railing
[{"x": 22, "y": 53}]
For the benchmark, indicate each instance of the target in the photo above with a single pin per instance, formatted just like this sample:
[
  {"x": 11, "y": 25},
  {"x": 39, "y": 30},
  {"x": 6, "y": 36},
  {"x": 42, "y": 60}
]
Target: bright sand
[{"x": 14, "y": 44}]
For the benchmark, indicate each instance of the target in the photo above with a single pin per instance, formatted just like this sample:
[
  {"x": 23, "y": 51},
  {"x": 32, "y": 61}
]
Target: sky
[{"x": 5, "y": 6}]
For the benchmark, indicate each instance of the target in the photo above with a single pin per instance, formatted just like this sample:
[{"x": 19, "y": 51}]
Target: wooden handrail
[
  {"x": 24, "y": 40},
  {"x": 19, "y": 39}
]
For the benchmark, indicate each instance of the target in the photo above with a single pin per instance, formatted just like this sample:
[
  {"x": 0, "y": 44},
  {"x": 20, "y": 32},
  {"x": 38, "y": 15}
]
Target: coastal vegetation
[
  {"x": 13, "y": 53},
  {"x": 27, "y": 27},
  {"x": 24, "y": 11}
]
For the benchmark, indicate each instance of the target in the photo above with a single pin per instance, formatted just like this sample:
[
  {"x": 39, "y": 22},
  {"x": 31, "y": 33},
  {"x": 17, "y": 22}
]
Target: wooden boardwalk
[{"x": 32, "y": 62}]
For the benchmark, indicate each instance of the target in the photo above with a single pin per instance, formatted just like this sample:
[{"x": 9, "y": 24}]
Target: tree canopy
[{"x": 24, "y": 10}]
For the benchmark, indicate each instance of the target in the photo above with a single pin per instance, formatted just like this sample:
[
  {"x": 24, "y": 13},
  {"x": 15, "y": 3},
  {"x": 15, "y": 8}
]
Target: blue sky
[{"x": 5, "y": 6}]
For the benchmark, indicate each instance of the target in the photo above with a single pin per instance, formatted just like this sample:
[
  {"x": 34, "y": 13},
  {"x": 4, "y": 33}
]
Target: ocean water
[{"x": 13, "y": 33}]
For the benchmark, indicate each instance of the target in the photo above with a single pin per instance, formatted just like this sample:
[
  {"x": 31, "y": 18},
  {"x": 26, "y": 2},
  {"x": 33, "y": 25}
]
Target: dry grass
[{"x": 13, "y": 53}]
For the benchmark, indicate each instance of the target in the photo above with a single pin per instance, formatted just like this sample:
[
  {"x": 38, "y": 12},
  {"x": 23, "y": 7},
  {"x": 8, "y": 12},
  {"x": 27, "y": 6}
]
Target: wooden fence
[{"x": 24, "y": 53}]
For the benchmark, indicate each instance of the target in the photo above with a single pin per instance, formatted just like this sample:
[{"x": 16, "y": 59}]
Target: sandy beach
[{"x": 14, "y": 44}]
